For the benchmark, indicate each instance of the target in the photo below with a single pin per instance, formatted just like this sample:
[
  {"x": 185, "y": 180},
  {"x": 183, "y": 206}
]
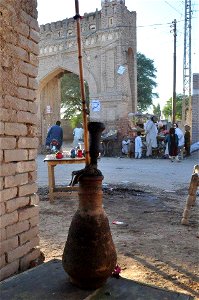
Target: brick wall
[
  {"x": 195, "y": 108},
  {"x": 19, "y": 212}
]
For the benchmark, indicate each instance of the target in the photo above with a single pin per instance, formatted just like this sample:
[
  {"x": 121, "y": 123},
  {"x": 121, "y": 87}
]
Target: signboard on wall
[
  {"x": 95, "y": 105},
  {"x": 48, "y": 109},
  {"x": 121, "y": 70}
]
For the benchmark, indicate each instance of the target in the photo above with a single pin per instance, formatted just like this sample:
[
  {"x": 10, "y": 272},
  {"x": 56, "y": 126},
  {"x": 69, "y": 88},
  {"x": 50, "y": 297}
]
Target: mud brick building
[
  {"x": 19, "y": 214},
  {"x": 195, "y": 108}
]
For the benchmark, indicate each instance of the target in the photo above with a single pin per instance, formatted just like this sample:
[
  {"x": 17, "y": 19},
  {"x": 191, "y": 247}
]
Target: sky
[{"x": 154, "y": 34}]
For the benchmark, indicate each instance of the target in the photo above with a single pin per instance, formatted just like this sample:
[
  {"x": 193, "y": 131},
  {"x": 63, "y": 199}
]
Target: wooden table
[{"x": 52, "y": 163}]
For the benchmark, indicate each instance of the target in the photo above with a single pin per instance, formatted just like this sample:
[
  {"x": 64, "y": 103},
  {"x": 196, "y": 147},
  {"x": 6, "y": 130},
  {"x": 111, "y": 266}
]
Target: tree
[
  {"x": 167, "y": 110},
  {"x": 157, "y": 110},
  {"x": 145, "y": 81},
  {"x": 71, "y": 98}
]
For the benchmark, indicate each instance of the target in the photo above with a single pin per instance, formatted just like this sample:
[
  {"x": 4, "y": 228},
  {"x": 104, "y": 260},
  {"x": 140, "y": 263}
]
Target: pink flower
[{"x": 116, "y": 272}]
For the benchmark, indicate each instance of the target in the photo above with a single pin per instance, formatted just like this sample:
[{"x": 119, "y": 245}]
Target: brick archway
[
  {"x": 49, "y": 96},
  {"x": 109, "y": 59}
]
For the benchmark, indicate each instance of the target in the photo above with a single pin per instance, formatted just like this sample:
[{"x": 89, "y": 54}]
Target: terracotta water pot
[{"x": 89, "y": 256}]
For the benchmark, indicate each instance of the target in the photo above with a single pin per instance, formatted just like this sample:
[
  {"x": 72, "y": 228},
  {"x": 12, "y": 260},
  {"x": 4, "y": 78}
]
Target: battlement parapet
[
  {"x": 49, "y": 27},
  {"x": 113, "y": 13},
  {"x": 112, "y": 22},
  {"x": 67, "y": 23}
]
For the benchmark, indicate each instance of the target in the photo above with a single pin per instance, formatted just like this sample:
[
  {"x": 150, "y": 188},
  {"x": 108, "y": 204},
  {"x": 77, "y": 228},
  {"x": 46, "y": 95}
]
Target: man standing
[
  {"x": 151, "y": 135},
  {"x": 125, "y": 145},
  {"x": 55, "y": 133},
  {"x": 180, "y": 135},
  {"x": 138, "y": 145},
  {"x": 78, "y": 135},
  {"x": 187, "y": 140}
]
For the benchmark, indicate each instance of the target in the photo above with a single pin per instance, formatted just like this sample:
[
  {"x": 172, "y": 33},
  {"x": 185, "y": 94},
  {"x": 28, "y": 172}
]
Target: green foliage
[
  {"x": 75, "y": 120},
  {"x": 167, "y": 110},
  {"x": 157, "y": 110},
  {"x": 71, "y": 98},
  {"x": 145, "y": 81}
]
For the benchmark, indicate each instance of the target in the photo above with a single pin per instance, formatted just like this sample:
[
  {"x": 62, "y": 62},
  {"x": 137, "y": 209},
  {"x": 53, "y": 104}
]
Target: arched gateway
[{"x": 109, "y": 60}]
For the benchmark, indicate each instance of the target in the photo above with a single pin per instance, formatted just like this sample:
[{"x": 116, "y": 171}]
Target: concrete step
[{"x": 50, "y": 282}]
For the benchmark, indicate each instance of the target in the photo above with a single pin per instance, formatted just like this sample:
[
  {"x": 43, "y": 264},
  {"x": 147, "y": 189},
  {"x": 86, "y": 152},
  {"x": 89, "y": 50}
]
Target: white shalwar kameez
[
  {"x": 138, "y": 147},
  {"x": 151, "y": 136},
  {"x": 78, "y": 135},
  {"x": 125, "y": 146}
]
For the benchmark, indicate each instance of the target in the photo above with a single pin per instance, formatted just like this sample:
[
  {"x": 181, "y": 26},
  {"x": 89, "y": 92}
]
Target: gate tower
[{"x": 109, "y": 61}]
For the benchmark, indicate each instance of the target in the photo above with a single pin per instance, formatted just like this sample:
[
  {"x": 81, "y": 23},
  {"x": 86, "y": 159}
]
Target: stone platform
[{"x": 49, "y": 281}]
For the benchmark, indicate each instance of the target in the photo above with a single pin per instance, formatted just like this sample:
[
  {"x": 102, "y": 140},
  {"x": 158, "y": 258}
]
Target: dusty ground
[{"x": 153, "y": 247}]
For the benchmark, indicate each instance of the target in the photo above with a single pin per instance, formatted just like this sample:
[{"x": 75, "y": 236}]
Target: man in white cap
[{"x": 151, "y": 135}]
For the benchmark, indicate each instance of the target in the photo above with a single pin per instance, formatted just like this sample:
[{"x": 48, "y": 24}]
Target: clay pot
[{"x": 89, "y": 255}]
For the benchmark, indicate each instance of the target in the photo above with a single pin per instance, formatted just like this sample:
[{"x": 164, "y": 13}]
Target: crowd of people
[{"x": 176, "y": 143}]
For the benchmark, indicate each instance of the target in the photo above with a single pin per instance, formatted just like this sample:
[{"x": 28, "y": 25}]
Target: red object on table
[
  {"x": 59, "y": 155},
  {"x": 79, "y": 153}
]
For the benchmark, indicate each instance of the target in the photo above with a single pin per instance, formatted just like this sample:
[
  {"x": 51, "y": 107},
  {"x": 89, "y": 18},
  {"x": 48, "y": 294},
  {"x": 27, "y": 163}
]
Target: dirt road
[
  {"x": 149, "y": 197},
  {"x": 152, "y": 246}
]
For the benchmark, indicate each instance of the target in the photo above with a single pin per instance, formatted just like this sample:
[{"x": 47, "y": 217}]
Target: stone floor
[{"x": 49, "y": 282}]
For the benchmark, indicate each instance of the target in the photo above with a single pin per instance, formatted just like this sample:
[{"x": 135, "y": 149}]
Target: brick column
[
  {"x": 195, "y": 108},
  {"x": 19, "y": 37}
]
